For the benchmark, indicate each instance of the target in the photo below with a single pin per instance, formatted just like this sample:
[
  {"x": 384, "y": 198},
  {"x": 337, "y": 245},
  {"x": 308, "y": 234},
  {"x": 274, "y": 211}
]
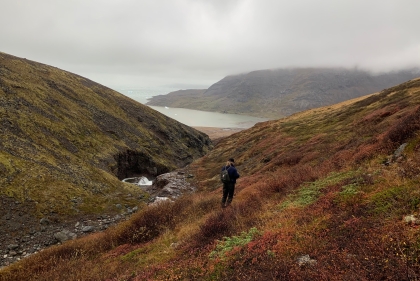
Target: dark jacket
[{"x": 233, "y": 173}]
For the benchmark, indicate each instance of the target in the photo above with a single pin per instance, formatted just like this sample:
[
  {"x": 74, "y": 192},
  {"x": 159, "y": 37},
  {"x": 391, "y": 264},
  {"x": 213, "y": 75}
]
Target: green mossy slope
[{"x": 64, "y": 137}]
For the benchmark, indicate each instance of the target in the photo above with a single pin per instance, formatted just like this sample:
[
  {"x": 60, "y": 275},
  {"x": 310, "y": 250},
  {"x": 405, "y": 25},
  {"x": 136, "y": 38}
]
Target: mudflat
[{"x": 217, "y": 133}]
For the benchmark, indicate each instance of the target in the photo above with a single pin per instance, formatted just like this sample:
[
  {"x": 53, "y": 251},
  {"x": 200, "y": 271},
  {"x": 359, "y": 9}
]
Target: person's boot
[{"x": 223, "y": 205}]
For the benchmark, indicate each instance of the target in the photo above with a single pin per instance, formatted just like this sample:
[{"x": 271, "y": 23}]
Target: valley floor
[{"x": 217, "y": 133}]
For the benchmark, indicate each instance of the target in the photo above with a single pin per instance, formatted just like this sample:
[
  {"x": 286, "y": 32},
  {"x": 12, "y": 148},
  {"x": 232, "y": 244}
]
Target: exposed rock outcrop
[{"x": 170, "y": 185}]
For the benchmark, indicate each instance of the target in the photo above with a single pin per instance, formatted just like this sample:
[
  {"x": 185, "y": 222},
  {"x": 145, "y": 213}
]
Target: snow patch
[{"x": 141, "y": 181}]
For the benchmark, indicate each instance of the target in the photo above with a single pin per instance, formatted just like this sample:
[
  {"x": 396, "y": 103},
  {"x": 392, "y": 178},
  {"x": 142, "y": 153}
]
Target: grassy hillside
[
  {"x": 322, "y": 196},
  {"x": 278, "y": 93},
  {"x": 67, "y": 141}
]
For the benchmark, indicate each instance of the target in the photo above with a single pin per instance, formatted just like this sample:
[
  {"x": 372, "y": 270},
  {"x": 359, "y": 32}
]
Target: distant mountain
[
  {"x": 192, "y": 97},
  {"x": 66, "y": 141},
  {"x": 281, "y": 92}
]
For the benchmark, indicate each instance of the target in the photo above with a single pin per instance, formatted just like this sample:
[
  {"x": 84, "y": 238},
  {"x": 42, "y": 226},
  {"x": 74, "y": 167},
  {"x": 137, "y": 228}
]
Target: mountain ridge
[{"x": 276, "y": 93}]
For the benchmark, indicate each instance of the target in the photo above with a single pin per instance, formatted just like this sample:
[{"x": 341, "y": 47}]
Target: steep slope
[
  {"x": 282, "y": 92},
  {"x": 178, "y": 99},
  {"x": 326, "y": 194},
  {"x": 66, "y": 141}
]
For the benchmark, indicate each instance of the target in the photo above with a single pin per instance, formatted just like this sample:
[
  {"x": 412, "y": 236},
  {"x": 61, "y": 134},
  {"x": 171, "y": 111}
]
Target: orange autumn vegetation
[{"x": 321, "y": 183}]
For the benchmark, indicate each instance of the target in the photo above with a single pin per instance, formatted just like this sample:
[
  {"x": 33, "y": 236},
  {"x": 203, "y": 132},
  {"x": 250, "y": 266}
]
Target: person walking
[{"x": 229, "y": 186}]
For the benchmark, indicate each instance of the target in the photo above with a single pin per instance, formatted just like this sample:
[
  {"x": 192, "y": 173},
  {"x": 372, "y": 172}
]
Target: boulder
[
  {"x": 305, "y": 260},
  {"x": 411, "y": 219},
  {"x": 64, "y": 235},
  {"x": 44, "y": 221},
  {"x": 13, "y": 246},
  {"x": 88, "y": 228},
  {"x": 60, "y": 236}
]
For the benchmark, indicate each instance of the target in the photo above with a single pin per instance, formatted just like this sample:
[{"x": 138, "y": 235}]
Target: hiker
[{"x": 229, "y": 186}]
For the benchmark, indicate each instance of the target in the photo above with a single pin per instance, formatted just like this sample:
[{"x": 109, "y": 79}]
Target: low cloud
[{"x": 189, "y": 42}]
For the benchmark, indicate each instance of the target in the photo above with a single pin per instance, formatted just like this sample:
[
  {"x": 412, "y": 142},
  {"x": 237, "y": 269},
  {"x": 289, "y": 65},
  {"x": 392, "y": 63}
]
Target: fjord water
[
  {"x": 197, "y": 118},
  {"x": 193, "y": 118}
]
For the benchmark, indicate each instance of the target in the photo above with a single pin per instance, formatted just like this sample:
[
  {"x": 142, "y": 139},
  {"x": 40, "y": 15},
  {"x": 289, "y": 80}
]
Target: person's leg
[
  {"x": 231, "y": 191},
  {"x": 225, "y": 194}
]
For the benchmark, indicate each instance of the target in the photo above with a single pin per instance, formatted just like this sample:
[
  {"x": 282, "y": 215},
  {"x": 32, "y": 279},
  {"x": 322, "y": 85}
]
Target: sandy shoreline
[{"x": 217, "y": 133}]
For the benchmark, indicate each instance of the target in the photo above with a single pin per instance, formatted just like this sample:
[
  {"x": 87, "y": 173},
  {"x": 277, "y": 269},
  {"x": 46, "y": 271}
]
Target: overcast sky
[{"x": 195, "y": 43}]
